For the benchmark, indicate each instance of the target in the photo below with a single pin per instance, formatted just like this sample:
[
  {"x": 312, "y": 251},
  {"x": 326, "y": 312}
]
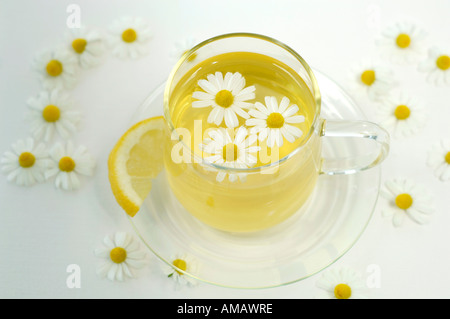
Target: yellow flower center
[
  {"x": 66, "y": 164},
  {"x": 118, "y": 255},
  {"x": 342, "y": 291},
  {"x": 402, "y": 112},
  {"x": 443, "y": 62},
  {"x": 180, "y": 264},
  {"x": 51, "y": 113},
  {"x": 403, "y": 41},
  {"x": 26, "y": 159},
  {"x": 79, "y": 45},
  {"x": 403, "y": 201},
  {"x": 224, "y": 98},
  {"x": 368, "y": 77},
  {"x": 230, "y": 152},
  {"x": 54, "y": 68},
  {"x": 129, "y": 35},
  {"x": 447, "y": 158},
  {"x": 275, "y": 120}
]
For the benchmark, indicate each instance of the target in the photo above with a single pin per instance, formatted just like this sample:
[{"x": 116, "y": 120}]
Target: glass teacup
[{"x": 245, "y": 153}]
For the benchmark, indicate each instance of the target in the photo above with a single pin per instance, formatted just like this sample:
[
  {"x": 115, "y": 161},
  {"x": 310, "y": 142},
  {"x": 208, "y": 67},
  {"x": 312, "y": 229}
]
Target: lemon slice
[{"x": 135, "y": 160}]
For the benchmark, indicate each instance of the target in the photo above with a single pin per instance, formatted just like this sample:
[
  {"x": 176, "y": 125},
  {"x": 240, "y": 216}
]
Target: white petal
[
  {"x": 293, "y": 130},
  {"x": 208, "y": 87},
  {"x": 398, "y": 218},
  {"x": 213, "y": 115},
  {"x": 283, "y": 105},
  {"x": 231, "y": 119},
  {"x": 261, "y": 108},
  {"x": 290, "y": 111},
  {"x": 202, "y": 96},
  {"x": 295, "y": 119},
  {"x": 418, "y": 216},
  {"x": 258, "y": 114},
  {"x": 240, "y": 111},
  {"x": 202, "y": 103}
]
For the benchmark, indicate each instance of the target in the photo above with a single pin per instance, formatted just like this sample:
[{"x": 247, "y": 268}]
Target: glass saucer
[{"x": 330, "y": 223}]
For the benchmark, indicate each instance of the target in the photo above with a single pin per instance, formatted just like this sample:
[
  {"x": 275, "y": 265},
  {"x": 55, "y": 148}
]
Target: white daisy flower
[
  {"x": 274, "y": 123},
  {"x": 58, "y": 69},
  {"x": 181, "y": 47},
  {"x": 180, "y": 265},
  {"x": 402, "y": 42},
  {"x": 342, "y": 283},
  {"x": 121, "y": 255},
  {"x": 50, "y": 112},
  {"x": 86, "y": 45},
  {"x": 226, "y": 95},
  {"x": 225, "y": 151},
  {"x": 67, "y": 163},
  {"x": 406, "y": 198},
  {"x": 26, "y": 163},
  {"x": 402, "y": 115},
  {"x": 437, "y": 66},
  {"x": 439, "y": 159},
  {"x": 129, "y": 37},
  {"x": 369, "y": 78}
]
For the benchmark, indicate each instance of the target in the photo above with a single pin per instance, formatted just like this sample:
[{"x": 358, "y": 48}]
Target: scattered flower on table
[
  {"x": 437, "y": 66},
  {"x": 403, "y": 42},
  {"x": 181, "y": 47},
  {"x": 57, "y": 69},
  {"x": 129, "y": 37},
  {"x": 342, "y": 283},
  {"x": 407, "y": 198},
  {"x": 26, "y": 163},
  {"x": 273, "y": 122},
  {"x": 50, "y": 112},
  {"x": 183, "y": 269},
  {"x": 402, "y": 115},
  {"x": 371, "y": 79},
  {"x": 230, "y": 152},
  {"x": 87, "y": 45},
  {"x": 121, "y": 254},
  {"x": 439, "y": 159},
  {"x": 68, "y": 162},
  {"x": 227, "y": 95}
]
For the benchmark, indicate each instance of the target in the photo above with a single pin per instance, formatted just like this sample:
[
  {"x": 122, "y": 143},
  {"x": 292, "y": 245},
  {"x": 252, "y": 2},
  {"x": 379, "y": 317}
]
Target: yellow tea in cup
[{"x": 256, "y": 201}]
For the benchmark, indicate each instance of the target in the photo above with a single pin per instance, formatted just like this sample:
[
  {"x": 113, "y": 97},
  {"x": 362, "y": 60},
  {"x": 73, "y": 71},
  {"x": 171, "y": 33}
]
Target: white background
[{"x": 43, "y": 229}]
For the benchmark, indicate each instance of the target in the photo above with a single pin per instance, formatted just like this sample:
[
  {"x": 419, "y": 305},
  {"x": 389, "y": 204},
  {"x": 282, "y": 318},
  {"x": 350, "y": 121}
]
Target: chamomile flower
[
  {"x": 26, "y": 163},
  {"x": 439, "y": 159},
  {"x": 437, "y": 66},
  {"x": 181, "y": 47},
  {"x": 402, "y": 42},
  {"x": 58, "y": 69},
  {"x": 343, "y": 283},
  {"x": 273, "y": 122},
  {"x": 226, "y": 95},
  {"x": 86, "y": 45},
  {"x": 129, "y": 37},
  {"x": 121, "y": 254},
  {"x": 67, "y": 163},
  {"x": 237, "y": 152},
  {"x": 402, "y": 115},
  {"x": 406, "y": 198},
  {"x": 371, "y": 79},
  {"x": 50, "y": 112},
  {"x": 180, "y": 265}
]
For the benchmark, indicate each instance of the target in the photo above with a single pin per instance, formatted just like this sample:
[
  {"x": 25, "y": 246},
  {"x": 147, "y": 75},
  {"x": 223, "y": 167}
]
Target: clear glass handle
[{"x": 355, "y": 145}]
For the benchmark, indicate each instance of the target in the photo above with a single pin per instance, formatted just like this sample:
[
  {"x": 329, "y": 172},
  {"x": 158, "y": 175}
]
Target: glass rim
[{"x": 201, "y": 160}]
